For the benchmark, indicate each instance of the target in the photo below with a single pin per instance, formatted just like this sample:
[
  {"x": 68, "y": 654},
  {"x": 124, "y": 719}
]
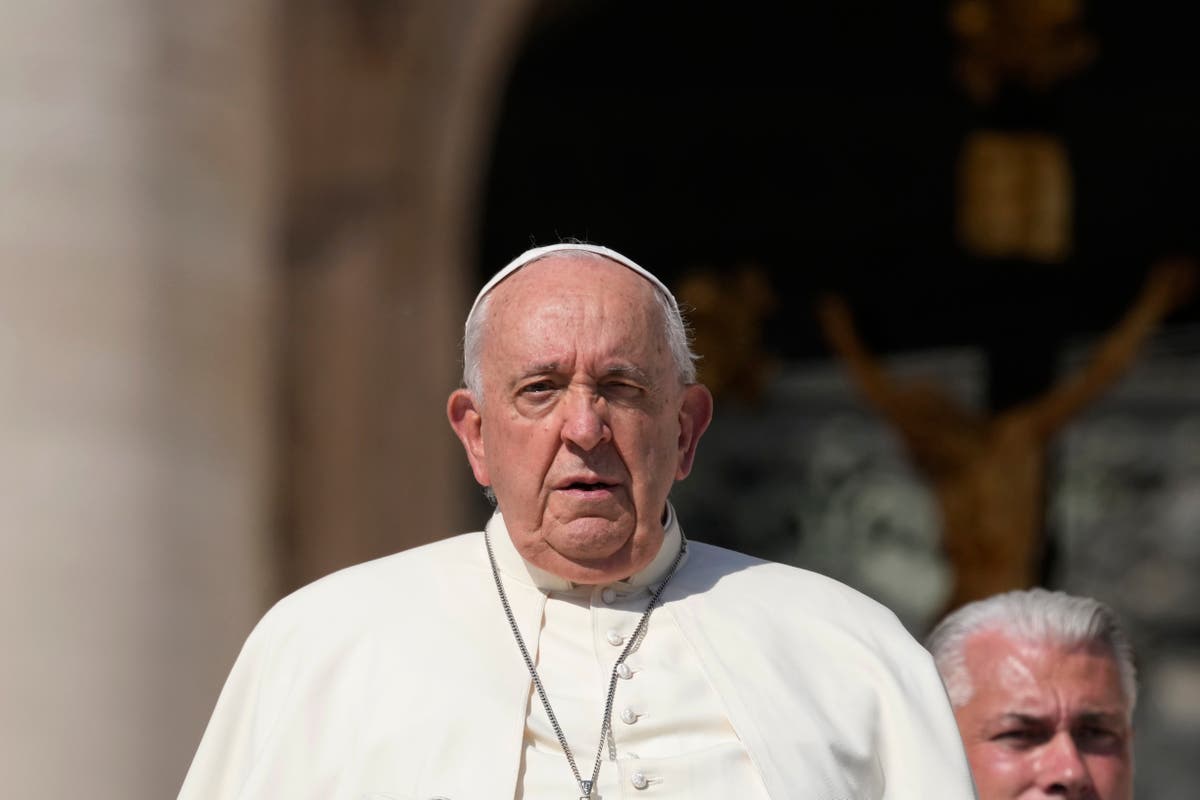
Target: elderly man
[
  {"x": 1043, "y": 689},
  {"x": 580, "y": 646}
]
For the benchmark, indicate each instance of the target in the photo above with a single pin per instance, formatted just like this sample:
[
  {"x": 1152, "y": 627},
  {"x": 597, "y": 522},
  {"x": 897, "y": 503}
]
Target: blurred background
[{"x": 239, "y": 240}]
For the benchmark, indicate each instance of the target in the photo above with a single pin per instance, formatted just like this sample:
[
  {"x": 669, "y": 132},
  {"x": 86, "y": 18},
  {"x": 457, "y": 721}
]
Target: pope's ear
[
  {"x": 463, "y": 413},
  {"x": 695, "y": 413}
]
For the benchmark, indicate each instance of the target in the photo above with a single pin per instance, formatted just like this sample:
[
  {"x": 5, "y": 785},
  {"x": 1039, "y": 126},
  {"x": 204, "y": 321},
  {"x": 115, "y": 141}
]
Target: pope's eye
[
  {"x": 537, "y": 387},
  {"x": 622, "y": 389}
]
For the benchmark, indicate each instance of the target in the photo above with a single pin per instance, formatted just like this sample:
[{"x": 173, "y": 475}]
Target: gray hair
[
  {"x": 676, "y": 331},
  {"x": 1034, "y": 615}
]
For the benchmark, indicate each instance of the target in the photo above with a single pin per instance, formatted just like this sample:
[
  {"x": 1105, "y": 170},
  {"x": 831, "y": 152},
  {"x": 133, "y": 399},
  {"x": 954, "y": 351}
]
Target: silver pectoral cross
[{"x": 586, "y": 788}]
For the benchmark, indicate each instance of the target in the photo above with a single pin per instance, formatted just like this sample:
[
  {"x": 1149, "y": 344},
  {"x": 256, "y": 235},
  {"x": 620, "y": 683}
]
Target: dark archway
[{"x": 821, "y": 142}]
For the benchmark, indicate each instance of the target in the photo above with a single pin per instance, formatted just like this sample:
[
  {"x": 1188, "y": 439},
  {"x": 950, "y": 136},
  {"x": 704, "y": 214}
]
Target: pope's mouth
[{"x": 589, "y": 488}]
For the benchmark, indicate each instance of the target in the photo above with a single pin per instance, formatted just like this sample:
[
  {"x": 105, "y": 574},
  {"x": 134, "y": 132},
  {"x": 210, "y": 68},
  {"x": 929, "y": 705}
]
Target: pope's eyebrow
[
  {"x": 533, "y": 370},
  {"x": 627, "y": 371}
]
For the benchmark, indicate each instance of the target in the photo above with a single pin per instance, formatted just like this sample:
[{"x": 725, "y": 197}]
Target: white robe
[
  {"x": 398, "y": 679},
  {"x": 670, "y": 739}
]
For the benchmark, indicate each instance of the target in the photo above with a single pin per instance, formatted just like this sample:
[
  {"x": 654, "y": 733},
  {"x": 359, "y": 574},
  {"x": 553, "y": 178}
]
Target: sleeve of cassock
[
  {"x": 920, "y": 750},
  {"x": 240, "y": 723}
]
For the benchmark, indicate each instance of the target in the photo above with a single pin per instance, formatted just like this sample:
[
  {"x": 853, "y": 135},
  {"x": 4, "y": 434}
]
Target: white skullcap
[{"x": 536, "y": 253}]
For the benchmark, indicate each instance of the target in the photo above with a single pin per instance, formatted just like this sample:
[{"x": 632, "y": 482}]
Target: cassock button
[
  {"x": 628, "y": 716},
  {"x": 615, "y": 639},
  {"x": 638, "y": 780},
  {"x": 608, "y": 596},
  {"x": 623, "y": 671}
]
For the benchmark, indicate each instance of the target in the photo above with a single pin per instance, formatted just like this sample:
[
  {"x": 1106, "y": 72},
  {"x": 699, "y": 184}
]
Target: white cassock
[{"x": 400, "y": 679}]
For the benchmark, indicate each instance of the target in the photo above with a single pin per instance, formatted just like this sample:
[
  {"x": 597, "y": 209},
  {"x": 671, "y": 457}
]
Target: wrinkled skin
[
  {"x": 584, "y": 423},
  {"x": 1044, "y": 721}
]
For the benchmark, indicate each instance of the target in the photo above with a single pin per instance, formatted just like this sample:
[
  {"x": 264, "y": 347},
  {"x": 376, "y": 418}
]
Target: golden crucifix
[{"x": 987, "y": 471}]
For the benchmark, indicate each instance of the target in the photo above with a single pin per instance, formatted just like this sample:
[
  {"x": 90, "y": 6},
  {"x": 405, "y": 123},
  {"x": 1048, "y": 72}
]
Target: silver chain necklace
[{"x": 585, "y": 786}]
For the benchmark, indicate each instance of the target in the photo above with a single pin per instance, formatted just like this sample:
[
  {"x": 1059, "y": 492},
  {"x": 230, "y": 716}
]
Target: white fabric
[
  {"x": 672, "y": 738},
  {"x": 529, "y": 256},
  {"x": 399, "y": 679}
]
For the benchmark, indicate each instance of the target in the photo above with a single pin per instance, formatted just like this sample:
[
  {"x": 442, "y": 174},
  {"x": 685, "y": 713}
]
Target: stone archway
[{"x": 389, "y": 109}]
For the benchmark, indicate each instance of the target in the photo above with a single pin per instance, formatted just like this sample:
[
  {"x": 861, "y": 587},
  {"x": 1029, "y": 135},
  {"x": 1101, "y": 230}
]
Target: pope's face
[
  {"x": 584, "y": 423},
  {"x": 1045, "y": 721}
]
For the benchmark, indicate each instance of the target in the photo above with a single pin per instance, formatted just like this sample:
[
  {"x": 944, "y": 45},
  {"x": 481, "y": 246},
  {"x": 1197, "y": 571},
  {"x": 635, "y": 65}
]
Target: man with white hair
[
  {"x": 580, "y": 646},
  {"x": 1043, "y": 689}
]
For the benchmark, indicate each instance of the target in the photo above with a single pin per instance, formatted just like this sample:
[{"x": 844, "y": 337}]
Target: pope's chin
[{"x": 593, "y": 550}]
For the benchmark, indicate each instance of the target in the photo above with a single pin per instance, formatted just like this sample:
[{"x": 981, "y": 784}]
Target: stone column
[{"x": 136, "y": 328}]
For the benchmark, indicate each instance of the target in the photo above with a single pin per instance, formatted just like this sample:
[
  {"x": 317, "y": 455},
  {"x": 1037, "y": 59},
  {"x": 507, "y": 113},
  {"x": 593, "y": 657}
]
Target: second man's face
[
  {"x": 584, "y": 424},
  {"x": 1045, "y": 721}
]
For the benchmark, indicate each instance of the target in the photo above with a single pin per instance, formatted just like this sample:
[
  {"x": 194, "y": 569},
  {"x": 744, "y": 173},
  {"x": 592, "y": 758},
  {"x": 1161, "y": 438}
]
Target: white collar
[{"x": 512, "y": 564}]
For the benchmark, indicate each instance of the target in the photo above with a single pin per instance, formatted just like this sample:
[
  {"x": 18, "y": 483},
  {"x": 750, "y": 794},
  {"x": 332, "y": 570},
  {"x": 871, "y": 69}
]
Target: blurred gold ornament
[
  {"x": 1034, "y": 43},
  {"x": 1015, "y": 197},
  {"x": 726, "y": 313}
]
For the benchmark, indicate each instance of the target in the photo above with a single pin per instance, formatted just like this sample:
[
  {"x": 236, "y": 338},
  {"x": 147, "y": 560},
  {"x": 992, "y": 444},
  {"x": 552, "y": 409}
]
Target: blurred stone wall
[
  {"x": 137, "y": 334},
  {"x": 810, "y": 475},
  {"x": 389, "y": 110}
]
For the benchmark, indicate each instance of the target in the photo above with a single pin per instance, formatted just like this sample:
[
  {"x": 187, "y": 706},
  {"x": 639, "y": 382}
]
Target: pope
[{"x": 580, "y": 645}]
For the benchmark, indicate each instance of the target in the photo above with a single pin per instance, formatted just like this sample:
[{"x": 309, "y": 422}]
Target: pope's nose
[{"x": 584, "y": 419}]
